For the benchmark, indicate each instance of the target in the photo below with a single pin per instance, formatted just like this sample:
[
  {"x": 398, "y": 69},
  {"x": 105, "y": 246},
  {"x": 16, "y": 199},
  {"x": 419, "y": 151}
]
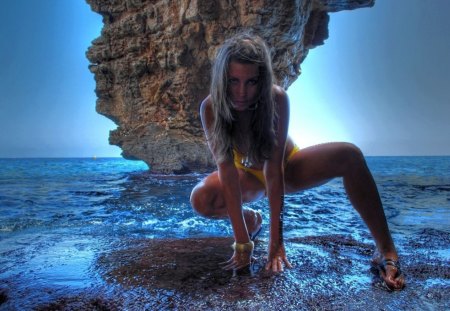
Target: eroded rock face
[{"x": 152, "y": 65}]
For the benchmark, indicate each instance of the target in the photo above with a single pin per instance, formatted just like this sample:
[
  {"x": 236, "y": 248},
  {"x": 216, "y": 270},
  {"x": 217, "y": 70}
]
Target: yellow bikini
[{"x": 258, "y": 173}]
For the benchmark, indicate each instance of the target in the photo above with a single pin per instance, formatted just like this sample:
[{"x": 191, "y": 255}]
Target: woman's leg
[
  {"x": 207, "y": 199},
  {"x": 318, "y": 164}
]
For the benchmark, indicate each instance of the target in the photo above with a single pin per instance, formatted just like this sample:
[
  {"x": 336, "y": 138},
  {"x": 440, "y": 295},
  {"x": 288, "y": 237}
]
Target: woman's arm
[
  {"x": 231, "y": 191},
  {"x": 229, "y": 179},
  {"x": 274, "y": 175}
]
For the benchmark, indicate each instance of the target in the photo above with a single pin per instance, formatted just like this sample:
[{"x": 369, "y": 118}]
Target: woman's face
[{"x": 243, "y": 85}]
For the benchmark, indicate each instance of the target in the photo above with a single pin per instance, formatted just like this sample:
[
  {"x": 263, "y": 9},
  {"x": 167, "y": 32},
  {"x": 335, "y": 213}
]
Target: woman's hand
[
  {"x": 239, "y": 260},
  {"x": 277, "y": 257}
]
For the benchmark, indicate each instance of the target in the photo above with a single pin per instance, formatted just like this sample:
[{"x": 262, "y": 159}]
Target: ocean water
[{"x": 58, "y": 215}]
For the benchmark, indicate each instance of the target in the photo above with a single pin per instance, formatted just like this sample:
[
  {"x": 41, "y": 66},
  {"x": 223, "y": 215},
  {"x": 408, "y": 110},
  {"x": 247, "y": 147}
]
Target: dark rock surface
[
  {"x": 152, "y": 65},
  {"x": 330, "y": 273}
]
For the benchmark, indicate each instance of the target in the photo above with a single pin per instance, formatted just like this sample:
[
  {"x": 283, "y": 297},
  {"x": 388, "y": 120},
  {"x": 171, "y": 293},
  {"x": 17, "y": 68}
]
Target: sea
[{"x": 57, "y": 215}]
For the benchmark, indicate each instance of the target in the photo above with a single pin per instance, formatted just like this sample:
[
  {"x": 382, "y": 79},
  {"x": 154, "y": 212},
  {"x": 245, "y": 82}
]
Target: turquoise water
[
  {"x": 120, "y": 196},
  {"x": 57, "y": 214}
]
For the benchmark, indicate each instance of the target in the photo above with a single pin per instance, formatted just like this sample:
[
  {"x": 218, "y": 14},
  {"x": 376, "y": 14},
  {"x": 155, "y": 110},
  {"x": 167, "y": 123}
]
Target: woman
[{"x": 245, "y": 119}]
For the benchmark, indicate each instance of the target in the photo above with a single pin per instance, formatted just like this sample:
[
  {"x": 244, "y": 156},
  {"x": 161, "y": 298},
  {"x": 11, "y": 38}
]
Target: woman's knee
[
  {"x": 351, "y": 156},
  {"x": 202, "y": 201},
  {"x": 198, "y": 200}
]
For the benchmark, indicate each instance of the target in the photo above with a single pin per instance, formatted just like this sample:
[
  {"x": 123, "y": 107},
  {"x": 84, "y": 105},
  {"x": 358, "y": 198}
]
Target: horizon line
[{"x": 120, "y": 157}]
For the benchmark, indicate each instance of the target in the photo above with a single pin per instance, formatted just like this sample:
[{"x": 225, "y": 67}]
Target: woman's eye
[
  {"x": 253, "y": 82},
  {"x": 232, "y": 81}
]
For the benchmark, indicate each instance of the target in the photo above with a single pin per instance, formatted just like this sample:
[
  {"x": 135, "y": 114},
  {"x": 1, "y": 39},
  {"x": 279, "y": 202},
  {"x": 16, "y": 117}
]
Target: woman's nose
[{"x": 242, "y": 89}]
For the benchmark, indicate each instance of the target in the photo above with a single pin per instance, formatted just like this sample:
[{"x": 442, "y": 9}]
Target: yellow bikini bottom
[{"x": 258, "y": 173}]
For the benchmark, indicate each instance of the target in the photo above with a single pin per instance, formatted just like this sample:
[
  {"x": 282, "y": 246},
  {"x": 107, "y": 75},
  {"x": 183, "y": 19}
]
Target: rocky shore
[{"x": 330, "y": 273}]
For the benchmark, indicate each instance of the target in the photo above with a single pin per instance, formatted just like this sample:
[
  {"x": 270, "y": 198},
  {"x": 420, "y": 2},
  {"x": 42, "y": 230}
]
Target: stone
[
  {"x": 330, "y": 272},
  {"x": 153, "y": 59}
]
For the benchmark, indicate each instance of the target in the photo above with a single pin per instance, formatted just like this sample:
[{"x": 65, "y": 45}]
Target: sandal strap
[{"x": 393, "y": 263}]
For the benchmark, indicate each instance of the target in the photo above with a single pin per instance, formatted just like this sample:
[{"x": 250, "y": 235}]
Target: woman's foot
[
  {"x": 253, "y": 220},
  {"x": 389, "y": 270}
]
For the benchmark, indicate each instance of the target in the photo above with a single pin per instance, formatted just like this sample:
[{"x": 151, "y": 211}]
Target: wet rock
[
  {"x": 189, "y": 270},
  {"x": 3, "y": 296},
  {"x": 184, "y": 265},
  {"x": 81, "y": 302},
  {"x": 330, "y": 273}
]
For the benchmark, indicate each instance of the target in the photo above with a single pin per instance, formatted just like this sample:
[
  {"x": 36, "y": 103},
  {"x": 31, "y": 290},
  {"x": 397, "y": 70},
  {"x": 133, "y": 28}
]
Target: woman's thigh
[
  {"x": 316, "y": 165},
  {"x": 207, "y": 198}
]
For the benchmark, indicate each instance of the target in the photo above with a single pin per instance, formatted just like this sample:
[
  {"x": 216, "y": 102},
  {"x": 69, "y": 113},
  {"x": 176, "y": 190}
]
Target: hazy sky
[
  {"x": 47, "y": 98},
  {"x": 381, "y": 81}
]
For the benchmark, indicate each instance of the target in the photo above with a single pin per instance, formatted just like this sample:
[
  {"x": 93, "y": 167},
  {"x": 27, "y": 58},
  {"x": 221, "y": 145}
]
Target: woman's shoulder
[
  {"x": 278, "y": 91},
  {"x": 206, "y": 107},
  {"x": 205, "y": 104},
  {"x": 280, "y": 94}
]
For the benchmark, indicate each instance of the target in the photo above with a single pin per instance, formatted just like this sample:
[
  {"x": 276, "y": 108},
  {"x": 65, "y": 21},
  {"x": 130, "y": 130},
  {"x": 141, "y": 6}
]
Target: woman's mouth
[{"x": 240, "y": 104}]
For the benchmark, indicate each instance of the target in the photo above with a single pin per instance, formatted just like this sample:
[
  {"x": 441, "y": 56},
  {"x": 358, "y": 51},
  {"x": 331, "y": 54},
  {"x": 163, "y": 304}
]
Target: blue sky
[
  {"x": 47, "y": 97},
  {"x": 380, "y": 81}
]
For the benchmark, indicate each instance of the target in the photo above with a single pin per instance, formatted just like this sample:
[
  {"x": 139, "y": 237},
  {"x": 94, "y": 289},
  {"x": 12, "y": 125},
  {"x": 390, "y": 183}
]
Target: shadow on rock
[
  {"x": 189, "y": 271},
  {"x": 188, "y": 264}
]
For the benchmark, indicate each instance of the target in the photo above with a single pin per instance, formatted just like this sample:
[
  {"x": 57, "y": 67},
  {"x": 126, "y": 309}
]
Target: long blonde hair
[{"x": 248, "y": 49}]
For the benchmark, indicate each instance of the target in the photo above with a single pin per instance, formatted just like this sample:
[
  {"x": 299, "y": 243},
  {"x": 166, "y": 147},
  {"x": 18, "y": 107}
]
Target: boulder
[{"x": 152, "y": 66}]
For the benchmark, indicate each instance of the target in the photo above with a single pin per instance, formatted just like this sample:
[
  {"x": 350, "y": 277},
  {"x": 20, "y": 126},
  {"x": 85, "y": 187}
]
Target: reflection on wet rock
[{"x": 325, "y": 268}]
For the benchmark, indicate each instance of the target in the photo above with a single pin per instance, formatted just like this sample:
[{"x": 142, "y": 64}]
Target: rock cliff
[{"x": 152, "y": 65}]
